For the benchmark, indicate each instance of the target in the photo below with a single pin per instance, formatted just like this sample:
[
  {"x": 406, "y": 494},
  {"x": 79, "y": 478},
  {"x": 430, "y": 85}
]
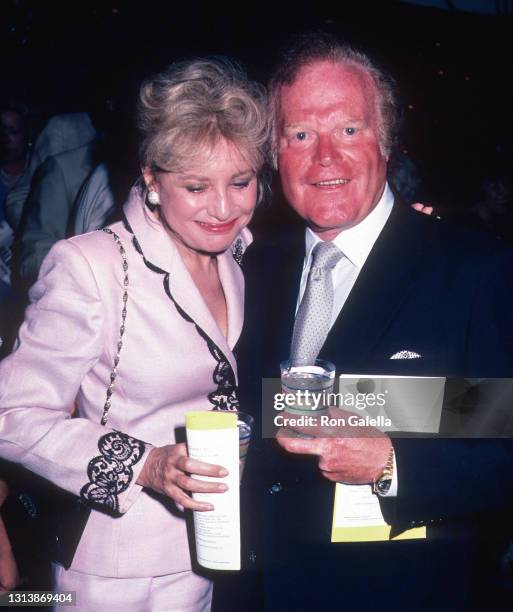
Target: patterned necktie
[{"x": 313, "y": 318}]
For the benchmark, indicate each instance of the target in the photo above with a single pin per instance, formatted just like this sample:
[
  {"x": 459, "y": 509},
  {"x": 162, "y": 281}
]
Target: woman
[{"x": 203, "y": 140}]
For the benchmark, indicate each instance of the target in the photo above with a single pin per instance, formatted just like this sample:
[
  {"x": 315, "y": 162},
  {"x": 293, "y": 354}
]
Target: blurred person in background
[
  {"x": 60, "y": 133},
  {"x": 14, "y": 154},
  {"x": 14, "y": 145}
]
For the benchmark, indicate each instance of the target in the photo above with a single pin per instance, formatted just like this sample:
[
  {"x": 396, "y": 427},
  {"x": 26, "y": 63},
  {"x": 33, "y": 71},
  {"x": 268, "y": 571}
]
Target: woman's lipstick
[{"x": 217, "y": 228}]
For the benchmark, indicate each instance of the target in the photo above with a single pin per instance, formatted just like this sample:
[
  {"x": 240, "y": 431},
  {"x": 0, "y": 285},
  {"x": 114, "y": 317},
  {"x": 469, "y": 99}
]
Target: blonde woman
[{"x": 204, "y": 131}]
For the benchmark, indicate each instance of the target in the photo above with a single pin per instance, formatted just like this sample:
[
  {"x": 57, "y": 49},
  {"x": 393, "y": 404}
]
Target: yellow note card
[{"x": 357, "y": 517}]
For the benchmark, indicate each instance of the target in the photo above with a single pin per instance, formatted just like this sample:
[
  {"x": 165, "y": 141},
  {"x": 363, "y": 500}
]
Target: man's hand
[
  {"x": 424, "y": 208},
  {"x": 168, "y": 470},
  {"x": 349, "y": 454}
]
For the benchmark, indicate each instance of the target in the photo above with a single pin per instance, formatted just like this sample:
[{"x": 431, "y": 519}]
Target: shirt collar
[{"x": 356, "y": 242}]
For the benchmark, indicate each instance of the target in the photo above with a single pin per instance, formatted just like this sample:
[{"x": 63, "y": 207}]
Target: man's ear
[{"x": 149, "y": 179}]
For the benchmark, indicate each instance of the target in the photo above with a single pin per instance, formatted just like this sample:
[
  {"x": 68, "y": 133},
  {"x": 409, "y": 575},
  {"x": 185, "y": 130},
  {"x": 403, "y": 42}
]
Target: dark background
[{"x": 453, "y": 66}]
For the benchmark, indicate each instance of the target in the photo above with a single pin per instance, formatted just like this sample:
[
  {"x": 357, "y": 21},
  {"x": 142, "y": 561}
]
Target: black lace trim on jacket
[
  {"x": 111, "y": 472},
  {"x": 225, "y": 396},
  {"x": 238, "y": 251}
]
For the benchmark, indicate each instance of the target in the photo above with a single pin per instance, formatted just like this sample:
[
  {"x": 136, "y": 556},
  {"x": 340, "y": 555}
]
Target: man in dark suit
[{"x": 409, "y": 295}]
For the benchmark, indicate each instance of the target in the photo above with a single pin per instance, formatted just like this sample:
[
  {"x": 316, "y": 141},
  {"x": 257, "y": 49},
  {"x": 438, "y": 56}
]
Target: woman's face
[{"x": 207, "y": 205}]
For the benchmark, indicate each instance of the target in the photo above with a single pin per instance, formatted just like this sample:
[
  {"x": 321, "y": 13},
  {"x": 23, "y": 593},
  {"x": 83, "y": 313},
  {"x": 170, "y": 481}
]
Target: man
[
  {"x": 14, "y": 144},
  {"x": 61, "y": 133},
  {"x": 410, "y": 296}
]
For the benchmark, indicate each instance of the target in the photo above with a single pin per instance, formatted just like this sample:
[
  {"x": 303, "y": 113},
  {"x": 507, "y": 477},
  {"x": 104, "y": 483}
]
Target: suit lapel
[
  {"x": 232, "y": 281},
  {"x": 188, "y": 296},
  {"x": 284, "y": 291},
  {"x": 378, "y": 292},
  {"x": 160, "y": 251}
]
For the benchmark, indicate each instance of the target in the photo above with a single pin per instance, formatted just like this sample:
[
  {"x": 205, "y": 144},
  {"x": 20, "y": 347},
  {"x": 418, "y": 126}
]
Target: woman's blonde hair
[{"x": 191, "y": 105}]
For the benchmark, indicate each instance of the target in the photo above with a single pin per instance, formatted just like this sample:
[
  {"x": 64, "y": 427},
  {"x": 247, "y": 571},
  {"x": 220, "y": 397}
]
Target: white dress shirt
[{"x": 356, "y": 243}]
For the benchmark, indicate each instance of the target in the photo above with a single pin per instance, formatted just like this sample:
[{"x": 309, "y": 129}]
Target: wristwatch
[{"x": 382, "y": 485}]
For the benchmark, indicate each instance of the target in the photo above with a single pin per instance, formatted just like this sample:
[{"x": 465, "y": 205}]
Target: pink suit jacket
[{"x": 174, "y": 359}]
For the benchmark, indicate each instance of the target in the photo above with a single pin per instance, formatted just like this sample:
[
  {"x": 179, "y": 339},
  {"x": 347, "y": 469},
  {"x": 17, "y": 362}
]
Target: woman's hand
[
  {"x": 167, "y": 470},
  {"x": 4, "y": 492},
  {"x": 9, "y": 577}
]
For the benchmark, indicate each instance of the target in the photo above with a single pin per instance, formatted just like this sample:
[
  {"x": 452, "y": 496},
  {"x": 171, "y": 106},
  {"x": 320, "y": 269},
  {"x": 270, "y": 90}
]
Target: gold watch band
[{"x": 382, "y": 484}]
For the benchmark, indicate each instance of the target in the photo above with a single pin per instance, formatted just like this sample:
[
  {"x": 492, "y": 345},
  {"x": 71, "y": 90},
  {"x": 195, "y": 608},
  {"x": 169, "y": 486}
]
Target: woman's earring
[{"x": 152, "y": 200}]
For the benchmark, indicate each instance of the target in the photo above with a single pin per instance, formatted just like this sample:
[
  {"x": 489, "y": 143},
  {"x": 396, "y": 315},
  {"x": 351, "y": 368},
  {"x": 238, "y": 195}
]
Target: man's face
[
  {"x": 12, "y": 136},
  {"x": 331, "y": 167}
]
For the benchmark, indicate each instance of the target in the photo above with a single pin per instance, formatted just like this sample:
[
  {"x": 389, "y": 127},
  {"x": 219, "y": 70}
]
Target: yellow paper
[
  {"x": 213, "y": 437},
  {"x": 357, "y": 517},
  {"x": 210, "y": 419}
]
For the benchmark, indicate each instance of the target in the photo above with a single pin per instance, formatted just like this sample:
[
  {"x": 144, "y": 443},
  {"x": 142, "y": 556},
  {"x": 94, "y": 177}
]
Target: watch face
[{"x": 384, "y": 485}]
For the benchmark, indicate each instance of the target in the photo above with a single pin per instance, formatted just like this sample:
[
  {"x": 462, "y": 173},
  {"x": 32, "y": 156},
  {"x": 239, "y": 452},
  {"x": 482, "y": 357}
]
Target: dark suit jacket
[{"x": 446, "y": 294}]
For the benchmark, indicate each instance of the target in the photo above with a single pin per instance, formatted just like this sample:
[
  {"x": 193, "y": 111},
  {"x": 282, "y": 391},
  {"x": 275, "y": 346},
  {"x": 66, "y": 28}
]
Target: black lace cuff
[{"x": 111, "y": 472}]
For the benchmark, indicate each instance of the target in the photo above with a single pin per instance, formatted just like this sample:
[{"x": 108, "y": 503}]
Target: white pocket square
[{"x": 406, "y": 355}]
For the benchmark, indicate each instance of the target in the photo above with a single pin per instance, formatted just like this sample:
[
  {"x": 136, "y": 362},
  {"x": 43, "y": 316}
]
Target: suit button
[
  {"x": 275, "y": 488},
  {"x": 252, "y": 556}
]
